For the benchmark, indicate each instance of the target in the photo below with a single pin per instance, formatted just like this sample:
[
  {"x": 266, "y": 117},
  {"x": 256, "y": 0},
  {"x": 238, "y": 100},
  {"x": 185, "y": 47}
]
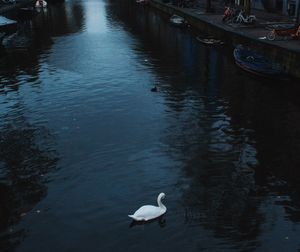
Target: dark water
[{"x": 83, "y": 141}]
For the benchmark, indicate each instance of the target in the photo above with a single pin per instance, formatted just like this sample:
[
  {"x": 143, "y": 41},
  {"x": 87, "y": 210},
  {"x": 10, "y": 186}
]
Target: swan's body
[{"x": 149, "y": 212}]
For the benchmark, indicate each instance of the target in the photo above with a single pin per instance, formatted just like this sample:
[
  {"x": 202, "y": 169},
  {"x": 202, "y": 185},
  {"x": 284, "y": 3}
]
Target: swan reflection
[{"x": 160, "y": 220}]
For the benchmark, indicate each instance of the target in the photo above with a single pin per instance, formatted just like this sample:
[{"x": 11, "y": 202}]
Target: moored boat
[
  {"x": 7, "y": 25},
  {"x": 255, "y": 63},
  {"x": 177, "y": 20},
  {"x": 210, "y": 41}
]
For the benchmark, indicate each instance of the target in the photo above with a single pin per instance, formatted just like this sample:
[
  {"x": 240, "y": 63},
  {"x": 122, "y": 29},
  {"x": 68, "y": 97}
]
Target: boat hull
[
  {"x": 257, "y": 64},
  {"x": 177, "y": 21},
  {"x": 210, "y": 41}
]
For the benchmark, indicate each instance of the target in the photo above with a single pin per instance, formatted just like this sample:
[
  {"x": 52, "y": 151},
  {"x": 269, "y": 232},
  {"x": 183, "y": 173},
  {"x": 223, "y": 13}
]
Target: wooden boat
[
  {"x": 255, "y": 63},
  {"x": 7, "y": 25},
  {"x": 210, "y": 41},
  {"x": 177, "y": 20}
]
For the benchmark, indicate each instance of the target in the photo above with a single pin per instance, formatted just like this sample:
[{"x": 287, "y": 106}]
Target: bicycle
[
  {"x": 239, "y": 19},
  {"x": 229, "y": 14},
  {"x": 285, "y": 32}
]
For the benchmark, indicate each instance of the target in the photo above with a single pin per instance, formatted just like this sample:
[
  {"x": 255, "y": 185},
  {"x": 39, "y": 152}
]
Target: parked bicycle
[
  {"x": 229, "y": 14},
  {"x": 241, "y": 19},
  {"x": 285, "y": 32}
]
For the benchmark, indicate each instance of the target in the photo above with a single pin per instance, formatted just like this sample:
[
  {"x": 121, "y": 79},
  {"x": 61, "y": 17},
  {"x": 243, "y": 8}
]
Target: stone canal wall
[{"x": 286, "y": 53}]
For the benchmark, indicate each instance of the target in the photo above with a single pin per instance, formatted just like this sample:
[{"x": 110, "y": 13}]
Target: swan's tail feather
[{"x": 131, "y": 216}]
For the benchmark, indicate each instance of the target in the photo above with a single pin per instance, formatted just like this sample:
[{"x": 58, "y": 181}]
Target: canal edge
[{"x": 289, "y": 58}]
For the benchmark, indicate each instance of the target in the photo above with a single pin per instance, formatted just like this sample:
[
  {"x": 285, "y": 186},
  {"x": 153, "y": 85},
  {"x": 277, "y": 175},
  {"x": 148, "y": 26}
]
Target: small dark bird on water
[{"x": 155, "y": 89}]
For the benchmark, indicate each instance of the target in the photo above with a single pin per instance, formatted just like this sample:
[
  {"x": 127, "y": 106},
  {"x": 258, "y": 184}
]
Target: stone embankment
[{"x": 285, "y": 52}]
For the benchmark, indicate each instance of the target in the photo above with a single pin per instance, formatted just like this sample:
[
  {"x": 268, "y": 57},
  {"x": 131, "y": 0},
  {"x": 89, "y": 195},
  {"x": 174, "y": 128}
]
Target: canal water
[{"x": 84, "y": 142}]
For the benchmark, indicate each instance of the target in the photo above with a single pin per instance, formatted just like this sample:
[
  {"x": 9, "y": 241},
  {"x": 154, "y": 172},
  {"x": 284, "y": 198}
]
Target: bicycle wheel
[
  {"x": 235, "y": 20},
  {"x": 271, "y": 35},
  {"x": 252, "y": 21}
]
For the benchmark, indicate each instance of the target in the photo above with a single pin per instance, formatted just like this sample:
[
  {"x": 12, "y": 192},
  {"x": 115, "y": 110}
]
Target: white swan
[{"x": 149, "y": 212}]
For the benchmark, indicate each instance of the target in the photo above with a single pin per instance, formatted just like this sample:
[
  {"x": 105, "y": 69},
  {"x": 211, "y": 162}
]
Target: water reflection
[
  {"x": 27, "y": 155},
  {"x": 35, "y": 38},
  {"x": 161, "y": 221},
  {"x": 27, "y": 150},
  {"x": 238, "y": 141},
  {"x": 222, "y": 145},
  {"x": 19, "y": 40},
  {"x": 61, "y": 19}
]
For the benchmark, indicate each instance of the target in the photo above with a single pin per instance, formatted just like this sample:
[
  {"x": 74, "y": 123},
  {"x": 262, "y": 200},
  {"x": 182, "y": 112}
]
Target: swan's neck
[{"x": 160, "y": 204}]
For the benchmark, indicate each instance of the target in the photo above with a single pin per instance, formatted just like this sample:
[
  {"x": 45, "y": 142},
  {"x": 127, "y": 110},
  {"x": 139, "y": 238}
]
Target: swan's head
[{"x": 161, "y": 196}]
